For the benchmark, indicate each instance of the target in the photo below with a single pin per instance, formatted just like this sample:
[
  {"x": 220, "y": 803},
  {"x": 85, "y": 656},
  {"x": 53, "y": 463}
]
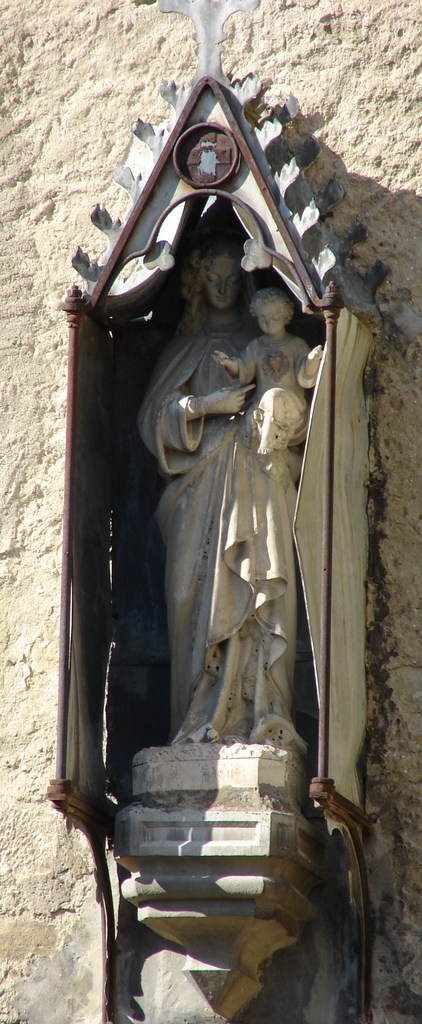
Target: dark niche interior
[{"x": 138, "y": 692}]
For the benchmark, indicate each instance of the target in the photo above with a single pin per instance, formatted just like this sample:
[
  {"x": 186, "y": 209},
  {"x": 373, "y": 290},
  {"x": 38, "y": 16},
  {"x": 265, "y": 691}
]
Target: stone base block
[
  {"x": 144, "y": 832},
  {"x": 205, "y": 773}
]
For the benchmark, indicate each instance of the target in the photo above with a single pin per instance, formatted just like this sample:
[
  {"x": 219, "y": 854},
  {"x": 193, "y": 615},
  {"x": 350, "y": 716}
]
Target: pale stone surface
[
  {"x": 241, "y": 773},
  {"x": 148, "y": 832},
  {"x": 168, "y": 991},
  {"x": 74, "y": 77},
  {"x": 69, "y": 983},
  {"x": 230, "y": 886}
]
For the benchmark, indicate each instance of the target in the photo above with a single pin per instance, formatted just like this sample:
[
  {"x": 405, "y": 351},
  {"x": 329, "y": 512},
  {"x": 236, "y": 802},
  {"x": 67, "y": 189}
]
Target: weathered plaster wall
[{"x": 74, "y": 76}]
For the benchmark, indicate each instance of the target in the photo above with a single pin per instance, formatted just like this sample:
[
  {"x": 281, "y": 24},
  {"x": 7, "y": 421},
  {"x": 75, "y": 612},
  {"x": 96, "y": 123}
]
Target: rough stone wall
[{"x": 74, "y": 76}]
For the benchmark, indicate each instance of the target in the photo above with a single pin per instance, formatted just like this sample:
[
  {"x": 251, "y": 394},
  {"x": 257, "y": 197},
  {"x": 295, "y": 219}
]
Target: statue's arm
[
  {"x": 229, "y": 363},
  {"x": 242, "y": 366},
  {"x": 175, "y": 427},
  {"x": 307, "y": 366},
  {"x": 247, "y": 364},
  {"x": 225, "y": 401}
]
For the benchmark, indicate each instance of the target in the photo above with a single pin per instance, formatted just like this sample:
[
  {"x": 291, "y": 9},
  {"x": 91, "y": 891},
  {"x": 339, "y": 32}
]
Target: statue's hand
[
  {"x": 310, "y": 366},
  {"x": 226, "y": 401},
  {"x": 229, "y": 364},
  {"x": 315, "y": 355}
]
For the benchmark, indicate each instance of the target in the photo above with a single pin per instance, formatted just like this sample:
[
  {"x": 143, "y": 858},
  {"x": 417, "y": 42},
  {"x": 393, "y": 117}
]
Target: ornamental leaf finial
[{"x": 209, "y": 17}]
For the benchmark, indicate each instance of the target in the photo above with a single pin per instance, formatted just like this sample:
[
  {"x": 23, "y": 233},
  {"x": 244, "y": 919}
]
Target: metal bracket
[
  {"x": 98, "y": 827},
  {"x": 351, "y": 821}
]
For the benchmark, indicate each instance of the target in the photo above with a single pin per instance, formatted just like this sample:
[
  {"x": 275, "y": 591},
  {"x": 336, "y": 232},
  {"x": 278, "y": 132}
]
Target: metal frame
[
  {"x": 98, "y": 830},
  {"x": 96, "y": 826},
  {"x": 74, "y": 307}
]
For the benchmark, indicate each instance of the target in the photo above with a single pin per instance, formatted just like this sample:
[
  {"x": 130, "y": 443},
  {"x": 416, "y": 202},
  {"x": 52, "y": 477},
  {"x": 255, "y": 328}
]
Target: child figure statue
[{"x": 282, "y": 366}]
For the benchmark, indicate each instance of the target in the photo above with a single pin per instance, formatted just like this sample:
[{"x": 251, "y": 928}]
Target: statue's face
[
  {"x": 272, "y": 318},
  {"x": 222, "y": 282}
]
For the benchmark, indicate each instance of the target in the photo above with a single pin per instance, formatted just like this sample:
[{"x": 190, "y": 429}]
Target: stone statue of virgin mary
[{"x": 226, "y": 518}]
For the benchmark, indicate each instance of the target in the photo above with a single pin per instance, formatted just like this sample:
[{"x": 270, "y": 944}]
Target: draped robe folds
[{"x": 226, "y": 520}]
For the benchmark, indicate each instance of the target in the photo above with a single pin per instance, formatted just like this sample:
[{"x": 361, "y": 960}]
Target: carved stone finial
[{"x": 209, "y": 17}]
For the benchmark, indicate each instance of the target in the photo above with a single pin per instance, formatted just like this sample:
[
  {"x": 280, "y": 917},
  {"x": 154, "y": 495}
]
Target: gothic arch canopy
[{"x": 165, "y": 202}]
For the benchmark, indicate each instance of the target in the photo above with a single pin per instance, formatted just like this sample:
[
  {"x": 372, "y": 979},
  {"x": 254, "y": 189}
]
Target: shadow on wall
[
  {"x": 316, "y": 982},
  {"x": 362, "y": 222}
]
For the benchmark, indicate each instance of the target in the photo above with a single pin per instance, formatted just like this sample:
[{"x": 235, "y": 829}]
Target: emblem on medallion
[{"x": 206, "y": 154}]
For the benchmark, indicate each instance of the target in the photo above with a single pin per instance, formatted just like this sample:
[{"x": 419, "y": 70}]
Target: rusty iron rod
[
  {"x": 331, "y": 304},
  {"x": 73, "y": 306}
]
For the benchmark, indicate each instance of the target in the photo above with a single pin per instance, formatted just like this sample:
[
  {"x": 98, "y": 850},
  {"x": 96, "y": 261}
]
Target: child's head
[{"x": 273, "y": 309}]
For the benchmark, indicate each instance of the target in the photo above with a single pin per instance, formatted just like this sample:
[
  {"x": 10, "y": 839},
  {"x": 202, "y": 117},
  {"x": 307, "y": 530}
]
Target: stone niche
[
  {"x": 221, "y": 861},
  {"x": 218, "y": 846}
]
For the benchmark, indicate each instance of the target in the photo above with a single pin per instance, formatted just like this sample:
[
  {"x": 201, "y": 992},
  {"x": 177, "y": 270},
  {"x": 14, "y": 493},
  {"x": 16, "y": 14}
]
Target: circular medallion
[{"x": 205, "y": 155}]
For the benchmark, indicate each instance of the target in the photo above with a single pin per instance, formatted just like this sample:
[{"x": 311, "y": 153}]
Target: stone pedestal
[
  {"x": 221, "y": 861},
  {"x": 208, "y": 773}
]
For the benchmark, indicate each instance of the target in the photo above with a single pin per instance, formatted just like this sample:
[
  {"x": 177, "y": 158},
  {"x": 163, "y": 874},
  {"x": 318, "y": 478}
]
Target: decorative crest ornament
[
  {"x": 206, "y": 154},
  {"x": 209, "y": 17}
]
